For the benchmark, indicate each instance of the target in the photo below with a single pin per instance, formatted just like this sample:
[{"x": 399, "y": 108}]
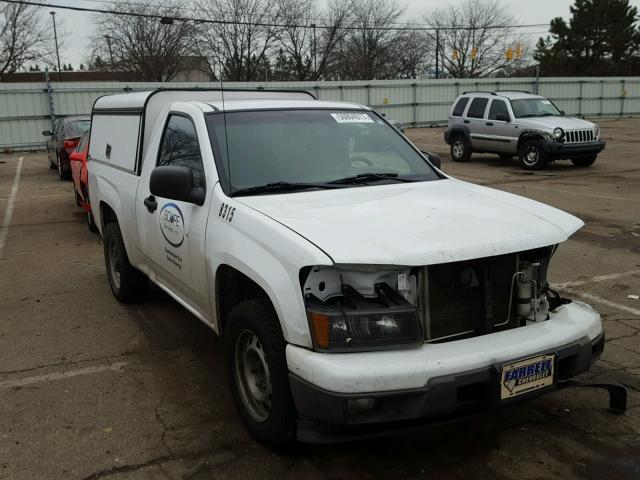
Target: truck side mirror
[
  {"x": 562, "y": 113},
  {"x": 176, "y": 183},
  {"x": 47, "y": 133},
  {"x": 434, "y": 159}
]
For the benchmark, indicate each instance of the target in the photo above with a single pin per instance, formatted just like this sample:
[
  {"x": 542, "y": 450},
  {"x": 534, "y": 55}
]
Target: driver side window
[{"x": 180, "y": 146}]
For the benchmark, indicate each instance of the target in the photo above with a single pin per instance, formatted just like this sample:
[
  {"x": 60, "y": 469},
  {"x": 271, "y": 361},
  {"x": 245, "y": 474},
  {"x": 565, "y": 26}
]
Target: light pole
[
  {"x": 110, "y": 51},
  {"x": 55, "y": 36},
  {"x": 315, "y": 50}
]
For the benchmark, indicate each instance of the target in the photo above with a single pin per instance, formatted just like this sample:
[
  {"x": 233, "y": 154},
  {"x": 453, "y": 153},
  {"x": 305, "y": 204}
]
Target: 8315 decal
[{"x": 226, "y": 212}]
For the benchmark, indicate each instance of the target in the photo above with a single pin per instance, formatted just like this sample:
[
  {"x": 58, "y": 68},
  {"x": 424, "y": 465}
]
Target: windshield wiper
[
  {"x": 278, "y": 187},
  {"x": 367, "y": 177}
]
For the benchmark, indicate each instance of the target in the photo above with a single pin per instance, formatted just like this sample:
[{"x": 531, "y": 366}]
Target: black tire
[
  {"x": 129, "y": 284},
  {"x": 585, "y": 161},
  {"x": 93, "y": 228},
  {"x": 62, "y": 174},
  {"x": 460, "y": 149},
  {"x": 278, "y": 423},
  {"x": 52, "y": 166},
  {"x": 532, "y": 155}
]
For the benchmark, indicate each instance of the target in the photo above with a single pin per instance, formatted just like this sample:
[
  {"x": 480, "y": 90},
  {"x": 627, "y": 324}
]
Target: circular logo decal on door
[{"x": 172, "y": 224}]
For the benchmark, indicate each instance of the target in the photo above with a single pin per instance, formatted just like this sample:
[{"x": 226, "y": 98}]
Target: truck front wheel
[
  {"x": 258, "y": 373},
  {"x": 127, "y": 283}
]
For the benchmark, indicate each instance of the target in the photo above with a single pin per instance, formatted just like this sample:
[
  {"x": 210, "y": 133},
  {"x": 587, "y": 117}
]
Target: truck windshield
[
  {"x": 289, "y": 150},
  {"x": 534, "y": 107}
]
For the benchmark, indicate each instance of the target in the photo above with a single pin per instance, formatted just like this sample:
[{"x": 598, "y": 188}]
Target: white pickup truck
[{"x": 358, "y": 288}]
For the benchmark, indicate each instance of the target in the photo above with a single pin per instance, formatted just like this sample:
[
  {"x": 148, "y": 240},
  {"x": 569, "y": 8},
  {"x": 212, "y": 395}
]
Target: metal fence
[{"x": 26, "y": 109}]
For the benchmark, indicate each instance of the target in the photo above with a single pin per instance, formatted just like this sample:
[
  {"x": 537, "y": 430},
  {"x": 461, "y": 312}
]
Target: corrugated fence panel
[{"x": 24, "y": 107}]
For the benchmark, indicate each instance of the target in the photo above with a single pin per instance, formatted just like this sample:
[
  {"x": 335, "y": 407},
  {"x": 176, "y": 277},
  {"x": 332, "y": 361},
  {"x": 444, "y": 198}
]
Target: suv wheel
[
  {"x": 586, "y": 161},
  {"x": 258, "y": 374},
  {"x": 532, "y": 155},
  {"x": 460, "y": 149}
]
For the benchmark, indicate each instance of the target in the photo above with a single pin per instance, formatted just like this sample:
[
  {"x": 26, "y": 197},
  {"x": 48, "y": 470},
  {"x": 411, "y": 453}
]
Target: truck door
[
  {"x": 173, "y": 231},
  {"x": 499, "y": 129}
]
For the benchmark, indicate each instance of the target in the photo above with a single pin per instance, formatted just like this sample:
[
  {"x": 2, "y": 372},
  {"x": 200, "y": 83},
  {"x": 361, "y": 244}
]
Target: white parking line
[
  {"x": 608, "y": 303},
  {"x": 599, "y": 278},
  {"x": 4, "y": 229},
  {"x": 592, "y": 195},
  {"x": 22, "y": 382}
]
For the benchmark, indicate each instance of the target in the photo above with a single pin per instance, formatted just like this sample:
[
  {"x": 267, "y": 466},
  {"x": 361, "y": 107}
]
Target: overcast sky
[{"x": 80, "y": 28}]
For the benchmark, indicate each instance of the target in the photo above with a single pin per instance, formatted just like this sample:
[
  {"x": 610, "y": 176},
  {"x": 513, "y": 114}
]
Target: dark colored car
[
  {"x": 63, "y": 140},
  {"x": 78, "y": 161}
]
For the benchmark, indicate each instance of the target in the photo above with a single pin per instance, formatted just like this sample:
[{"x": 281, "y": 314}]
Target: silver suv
[{"x": 512, "y": 123}]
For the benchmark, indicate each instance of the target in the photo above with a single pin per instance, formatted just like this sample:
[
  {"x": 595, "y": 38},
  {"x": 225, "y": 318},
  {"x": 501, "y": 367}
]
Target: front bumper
[
  {"x": 557, "y": 150},
  {"x": 464, "y": 381}
]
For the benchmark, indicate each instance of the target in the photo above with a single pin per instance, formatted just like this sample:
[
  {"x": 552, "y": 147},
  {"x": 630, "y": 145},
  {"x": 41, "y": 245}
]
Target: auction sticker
[{"x": 350, "y": 117}]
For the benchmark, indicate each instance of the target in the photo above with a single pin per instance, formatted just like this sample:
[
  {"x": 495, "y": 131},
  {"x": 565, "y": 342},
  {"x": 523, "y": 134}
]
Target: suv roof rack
[
  {"x": 513, "y": 91},
  {"x": 478, "y": 91}
]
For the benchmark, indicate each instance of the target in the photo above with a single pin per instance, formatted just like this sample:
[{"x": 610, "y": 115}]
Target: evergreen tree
[{"x": 602, "y": 38}]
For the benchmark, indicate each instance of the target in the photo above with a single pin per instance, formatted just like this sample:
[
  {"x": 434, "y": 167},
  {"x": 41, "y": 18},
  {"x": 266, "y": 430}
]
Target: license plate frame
[{"x": 527, "y": 375}]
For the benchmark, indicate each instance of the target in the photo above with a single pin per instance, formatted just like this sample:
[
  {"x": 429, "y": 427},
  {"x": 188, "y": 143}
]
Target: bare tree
[
  {"x": 158, "y": 51},
  {"x": 411, "y": 54},
  {"x": 310, "y": 36},
  {"x": 23, "y": 37},
  {"x": 367, "y": 50},
  {"x": 241, "y": 41},
  {"x": 475, "y": 38}
]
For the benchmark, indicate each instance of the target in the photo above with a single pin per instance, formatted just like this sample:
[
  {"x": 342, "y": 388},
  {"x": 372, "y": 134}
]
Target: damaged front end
[{"x": 359, "y": 308}]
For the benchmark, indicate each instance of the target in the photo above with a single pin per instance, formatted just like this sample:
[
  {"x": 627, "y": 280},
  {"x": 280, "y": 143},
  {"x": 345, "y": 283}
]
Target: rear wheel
[
  {"x": 62, "y": 173},
  {"x": 585, "y": 161},
  {"x": 532, "y": 155},
  {"x": 460, "y": 149},
  {"x": 52, "y": 165},
  {"x": 93, "y": 228},
  {"x": 127, "y": 283},
  {"x": 258, "y": 373}
]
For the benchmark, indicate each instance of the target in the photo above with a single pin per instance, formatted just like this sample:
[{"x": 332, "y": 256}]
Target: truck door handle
[
  {"x": 467, "y": 121},
  {"x": 490, "y": 124},
  {"x": 150, "y": 203}
]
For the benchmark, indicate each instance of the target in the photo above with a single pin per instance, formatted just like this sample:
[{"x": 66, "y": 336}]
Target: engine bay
[{"x": 449, "y": 301}]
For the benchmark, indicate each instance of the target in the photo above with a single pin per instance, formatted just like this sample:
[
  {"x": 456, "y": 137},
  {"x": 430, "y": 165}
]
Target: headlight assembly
[
  {"x": 558, "y": 133},
  {"x": 596, "y": 132},
  {"x": 356, "y": 323}
]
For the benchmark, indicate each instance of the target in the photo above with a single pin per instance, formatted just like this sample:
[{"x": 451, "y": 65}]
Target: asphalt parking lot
[{"x": 90, "y": 388}]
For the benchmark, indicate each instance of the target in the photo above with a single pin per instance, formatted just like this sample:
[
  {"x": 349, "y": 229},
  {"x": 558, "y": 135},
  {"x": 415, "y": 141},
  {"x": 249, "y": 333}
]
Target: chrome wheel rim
[
  {"x": 114, "y": 265},
  {"x": 252, "y": 376},
  {"x": 458, "y": 148},
  {"x": 531, "y": 155}
]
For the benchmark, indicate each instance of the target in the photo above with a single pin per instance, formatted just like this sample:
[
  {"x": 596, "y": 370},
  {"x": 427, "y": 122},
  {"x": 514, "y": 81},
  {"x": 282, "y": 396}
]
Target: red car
[{"x": 78, "y": 163}]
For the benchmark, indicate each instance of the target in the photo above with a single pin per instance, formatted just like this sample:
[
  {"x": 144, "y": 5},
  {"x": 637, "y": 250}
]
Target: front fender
[{"x": 268, "y": 253}]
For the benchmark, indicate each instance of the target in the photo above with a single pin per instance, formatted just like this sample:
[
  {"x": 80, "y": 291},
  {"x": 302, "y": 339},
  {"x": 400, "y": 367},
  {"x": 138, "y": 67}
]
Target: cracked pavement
[{"x": 92, "y": 389}]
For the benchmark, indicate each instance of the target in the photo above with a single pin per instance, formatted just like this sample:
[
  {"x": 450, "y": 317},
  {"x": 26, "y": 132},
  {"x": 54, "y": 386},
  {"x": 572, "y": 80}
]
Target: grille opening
[{"x": 466, "y": 299}]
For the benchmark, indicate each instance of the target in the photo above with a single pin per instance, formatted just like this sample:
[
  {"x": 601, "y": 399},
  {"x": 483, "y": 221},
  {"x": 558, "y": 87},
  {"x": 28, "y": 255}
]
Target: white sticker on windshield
[
  {"x": 352, "y": 117},
  {"x": 546, "y": 102}
]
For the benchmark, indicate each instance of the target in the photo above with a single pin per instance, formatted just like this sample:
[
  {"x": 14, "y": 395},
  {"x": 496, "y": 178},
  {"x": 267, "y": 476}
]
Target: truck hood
[
  {"x": 549, "y": 123},
  {"x": 414, "y": 224}
]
